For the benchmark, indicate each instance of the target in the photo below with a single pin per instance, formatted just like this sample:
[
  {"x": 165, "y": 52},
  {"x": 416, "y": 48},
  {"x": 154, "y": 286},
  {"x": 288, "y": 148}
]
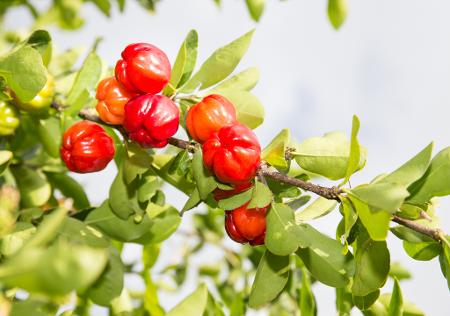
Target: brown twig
[
  {"x": 89, "y": 116},
  {"x": 435, "y": 233},
  {"x": 190, "y": 147}
]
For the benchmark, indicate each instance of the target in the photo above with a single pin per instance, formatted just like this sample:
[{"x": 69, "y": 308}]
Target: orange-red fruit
[
  {"x": 86, "y": 147},
  {"x": 209, "y": 116},
  {"x": 246, "y": 225},
  {"x": 112, "y": 97},
  {"x": 220, "y": 194},
  {"x": 144, "y": 68},
  {"x": 232, "y": 154}
]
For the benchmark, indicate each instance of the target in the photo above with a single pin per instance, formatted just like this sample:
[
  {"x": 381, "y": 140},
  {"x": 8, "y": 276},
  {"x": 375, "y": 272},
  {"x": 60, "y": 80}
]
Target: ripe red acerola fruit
[
  {"x": 232, "y": 154},
  {"x": 209, "y": 116},
  {"x": 112, "y": 97},
  {"x": 246, "y": 225},
  {"x": 144, "y": 68},
  {"x": 151, "y": 120},
  {"x": 86, "y": 147}
]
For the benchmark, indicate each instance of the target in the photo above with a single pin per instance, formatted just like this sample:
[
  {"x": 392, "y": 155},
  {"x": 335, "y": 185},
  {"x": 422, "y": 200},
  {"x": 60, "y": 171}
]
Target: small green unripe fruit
[
  {"x": 42, "y": 100},
  {"x": 9, "y": 119}
]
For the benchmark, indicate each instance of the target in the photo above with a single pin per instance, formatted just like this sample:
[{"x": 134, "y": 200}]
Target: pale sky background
[{"x": 389, "y": 64}]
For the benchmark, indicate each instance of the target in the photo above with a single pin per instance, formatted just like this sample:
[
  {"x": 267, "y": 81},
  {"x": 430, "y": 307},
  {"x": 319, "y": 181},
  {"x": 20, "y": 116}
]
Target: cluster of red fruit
[{"x": 230, "y": 150}]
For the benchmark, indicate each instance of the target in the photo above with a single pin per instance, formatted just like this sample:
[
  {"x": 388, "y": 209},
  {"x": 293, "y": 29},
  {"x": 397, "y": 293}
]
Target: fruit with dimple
[
  {"x": 112, "y": 97},
  {"x": 86, "y": 147},
  {"x": 232, "y": 154},
  {"x": 209, "y": 116},
  {"x": 151, "y": 120},
  {"x": 9, "y": 119},
  {"x": 246, "y": 225},
  {"x": 144, "y": 68},
  {"x": 42, "y": 101}
]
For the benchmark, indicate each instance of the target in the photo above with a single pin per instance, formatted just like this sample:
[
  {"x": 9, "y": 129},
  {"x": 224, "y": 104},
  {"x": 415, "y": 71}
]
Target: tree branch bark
[{"x": 265, "y": 171}]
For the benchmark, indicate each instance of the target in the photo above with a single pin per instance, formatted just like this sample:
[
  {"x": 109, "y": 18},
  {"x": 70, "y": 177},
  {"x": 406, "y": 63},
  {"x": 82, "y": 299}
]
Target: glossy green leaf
[
  {"x": 444, "y": 260},
  {"x": 127, "y": 230},
  {"x": 123, "y": 197},
  {"x": 193, "y": 305},
  {"x": 184, "y": 63},
  {"x": 110, "y": 283},
  {"x": 220, "y": 64},
  {"x": 205, "y": 181},
  {"x": 324, "y": 259},
  {"x": 281, "y": 232},
  {"x": 49, "y": 131},
  {"x": 255, "y": 8},
  {"x": 372, "y": 265},
  {"x": 350, "y": 216},
  {"x": 381, "y": 307},
  {"x": 275, "y": 152},
  {"x": 410, "y": 235},
  {"x": 261, "y": 196},
  {"x": 69, "y": 188},
  {"x": 271, "y": 277},
  {"x": 396, "y": 304},
  {"x": 86, "y": 80},
  {"x": 5, "y": 159},
  {"x": 320, "y": 207},
  {"x": 355, "y": 159},
  {"x": 344, "y": 301},
  {"x": 337, "y": 12},
  {"x": 235, "y": 201},
  {"x": 423, "y": 251},
  {"x": 249, "y": 109},
  {"x": 377, "y": 224},
  {"x": 14, "y": 240},
  {"x": 33, "y": 186},
  {"x": 307, "y": 302},
  {"x": 136, "y": 162},
  {"x": 327, "y": 155},
  {"x": 435, "y": 181},
  {"x": 103, "y": 5},
  {"x": 57, "y": 270},
  {"x": 364, "y": 302},
  {"x": 42, "y": 42},
  {"x": 193, "y": 201},
  {"x": 381, "y": 196},
  {"x": 161, "y": 165},
  {"x": 24, "y": 72},
  {"x": 165, "y": 223},
  {"x": 244, "y": 81}
]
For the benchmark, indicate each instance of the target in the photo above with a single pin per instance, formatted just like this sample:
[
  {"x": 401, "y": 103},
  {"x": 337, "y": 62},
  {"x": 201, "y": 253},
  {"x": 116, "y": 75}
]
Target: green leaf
[
  {"x": 86, "y": 80},
  {"x": 184, "y": 63},
  {"x": 49, "y": 131},
  {"x": 364, "y": 302},
  {"x": 136, "y": 162},
  {"x": 381, "y": 196},
  {"x": 33, "y": 186},
  {"x": 69, "y": 188},
  {"x": 444, "y": 260},
  {"x": 244, "y": 81},
  {"x": 161, "y": 165},
  {"x": 327, "y": 155},
  {"x": 372, "y": 265},
  {"x": 57, "y": 270},
  {"x": 423, "y": 251},
  {"x": 164, "y": 224},
  {"x": 24, "y": 72},
  {"x": 255, "y": 8},
  {"x": 123, "y": 196},
  {"x": 324, "y": 259},
  {"x": 344, "y": 301},
  {"x": 193, "y": 305},
  {"x": 103, "y": 5},
  {"x": 220, "y": 64},
  {"x": 205, "y": 181},
  {"x": 396, "y": 304},
  {"x": 106, "y": 221},
  {"x": 377, "y": 224},
  {"x": 28, "y": 307},
  {"x": 5, "y": 158},
  {"x": 350, "y": 216},
  {"x": 307, "y": 302},
  {"x": 271, "y": 277},
  {"x": 435, "y": 181},
  {"x": 249, "y": 109},
  {"x": 320, "y": 207},
  {"x": 275, "y": 152},
  {"x": 42, "y": 42},
  {"x": 193, "y": 201},
  {"x": 281, "y": 232},
  {"x": 15, "y": 240},
  {"x": 48, "y": 229},
  {"x": 337, "y": 12},
  {"x": 399, "y": 272},
  {"x": 355, "y": 159},
  {"x": 110, "y": 283},
  {"x": 235, "y": 201},
  {"x": 410, "y": 235},
  {"x": 261, "y": 196}
]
